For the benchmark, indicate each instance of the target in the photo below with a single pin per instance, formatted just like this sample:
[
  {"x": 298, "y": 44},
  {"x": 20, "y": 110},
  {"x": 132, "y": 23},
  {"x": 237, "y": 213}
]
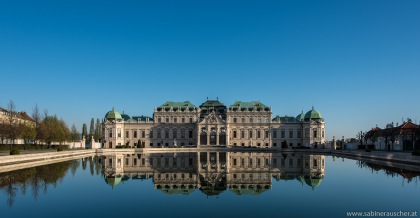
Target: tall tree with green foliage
[
  {"x": 91, "y": 128},
  {"x": 98, "y": 130},
  {"x": 84, "y": 131},
  {"x": 54, "y": 130},
  {"x": 27, "y": 133}
]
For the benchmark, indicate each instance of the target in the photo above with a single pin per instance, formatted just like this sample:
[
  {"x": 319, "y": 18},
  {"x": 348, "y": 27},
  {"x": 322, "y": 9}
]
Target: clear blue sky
[{"x": 357, "y": 62}]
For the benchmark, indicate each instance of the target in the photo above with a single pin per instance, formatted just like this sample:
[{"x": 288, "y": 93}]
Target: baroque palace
[{"x": 182, "y": 124}]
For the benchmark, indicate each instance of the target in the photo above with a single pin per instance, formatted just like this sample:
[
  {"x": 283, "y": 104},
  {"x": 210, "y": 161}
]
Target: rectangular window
[
  {"x": 266, "y": 134},
  {"x": 306, "y": 133},
  {"x": 159, "y": 120},
  {"x": 119, "y": 133},
  {"x": 143, "y": 134},
  {"x": 174, "y": 133},
  {"x": 274, "y": 144},
  {"x": 258, "y": 134},
  {"x": 315, "y": 133},
  {"x": 159, "y": 162},
  {"x": 259, "y": 120},
  {"x": 258, "y": 162},
  {"x": 234, "y": 162},
  {"x": 291, "y": 134},
  {"x": 250, "y": 133},
  {"x": 190, "y": 134},
  {"x": 234, "y": 119},
  {"x": 175, "y": 120},
  {"x": 323, "y": 133},
  {"x": 191, "y": 120},
  {"x": 151, "y": 134},
  {"x": 166, "y": 162},
  {"x": 243, "y": 119},
  {"x": 182, "y": 133},
  {"x": 250, "y": 162},
  {"x": 275, "y": 162},
  {"x": 242, "y": 162},
  {"x": 242, "y": 134},
  {"x": 135, "y": 162},
  {"x": 126, "y": 134},
  {"x": 143, "y": 162},
  {"x": 283, "y": 134},
  {"x": 299, "y": 162},
  {"x": 183, "y": 120},
  {"x": 251, "y": 120},
  {"x": 110, "y": 133},
  {"x": 166, "y": 133},
  {"x": 151, "y": 144},
  {"x": 291, "y": 144},
  {"x": 174, "y": 162},
  {"x": 290, "y": 162},
  {"x": 135, "y": 133},
  {"x": 267, "y": 120},
  {"x": 159, "y": 134},
  {"x": 274, "y": 134},
  {"x": 182, "y": 163},
  {"x": 167, "y": 119},
  {"x": 234, "y": 134},
  {"x": 299, "y": 134}
]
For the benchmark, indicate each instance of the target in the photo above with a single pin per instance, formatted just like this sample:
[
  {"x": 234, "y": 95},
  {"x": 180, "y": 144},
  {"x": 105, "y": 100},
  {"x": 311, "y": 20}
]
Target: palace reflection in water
[
  {"x": 210, "y": 172},
  {"x": 214, "y": 172}
]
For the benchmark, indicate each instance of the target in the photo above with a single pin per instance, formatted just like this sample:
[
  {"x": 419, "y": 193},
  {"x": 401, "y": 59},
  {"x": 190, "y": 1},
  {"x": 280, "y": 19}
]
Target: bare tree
[
  {"x": 36, "y": 116},
  {"x": 361, "y": 137},
  {"x": 11, "y": 123}
]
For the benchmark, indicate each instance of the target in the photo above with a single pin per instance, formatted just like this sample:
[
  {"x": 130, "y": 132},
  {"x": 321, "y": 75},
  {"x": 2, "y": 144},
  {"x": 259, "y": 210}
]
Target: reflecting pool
[{"x": 209, "y": 184}]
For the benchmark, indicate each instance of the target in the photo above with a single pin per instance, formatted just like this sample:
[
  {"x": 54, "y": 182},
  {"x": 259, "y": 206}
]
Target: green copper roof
[
  {"x": 313, "y": 182},
  {"x": 113, "y": 181},
  {"x": 313, "y": 114},
  {"x": 125, "y": 116},
  {"x": 248, "y": 105},
  {"x": 287, "y": 119},
  {"x": 178, "y": 191},
  {"x": 112, "y": 115},
  {"x": 177, "y": 105},
  {"x": 300, "y": 117},
  {"x": 141, "y": 118},
  {"x": 211, "y": 104},
  {"x": 247, "y": 191}
]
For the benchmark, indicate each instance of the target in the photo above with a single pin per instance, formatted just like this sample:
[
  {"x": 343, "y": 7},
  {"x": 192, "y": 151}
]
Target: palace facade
[{"x": 182, "y": 124}]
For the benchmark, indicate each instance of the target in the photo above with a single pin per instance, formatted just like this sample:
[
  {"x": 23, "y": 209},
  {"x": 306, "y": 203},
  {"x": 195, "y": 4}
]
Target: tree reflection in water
[
  {"x": 40, "y": 178},
  {"x": 406, "y": 174}
]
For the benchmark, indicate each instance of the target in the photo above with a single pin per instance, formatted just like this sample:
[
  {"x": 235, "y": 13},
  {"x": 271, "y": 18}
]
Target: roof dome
[
  {"x": 300, "y": 117},
  {"x": 113, "y": 181},
  {"x": 113, "y": 115},
  {"x": 313, "y": 114}
]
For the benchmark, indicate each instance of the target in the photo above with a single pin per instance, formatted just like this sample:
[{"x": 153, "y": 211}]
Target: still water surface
[{"x": 207, "y": 184}]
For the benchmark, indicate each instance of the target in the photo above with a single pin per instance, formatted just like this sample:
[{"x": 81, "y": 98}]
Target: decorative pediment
[{"x": 213, "y": 118}]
